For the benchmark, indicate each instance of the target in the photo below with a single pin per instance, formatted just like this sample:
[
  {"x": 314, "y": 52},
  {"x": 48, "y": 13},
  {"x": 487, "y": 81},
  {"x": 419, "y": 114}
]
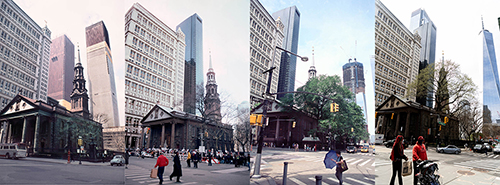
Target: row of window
[
  {"x": 155, "y": 29},
  {"x": 21, "y": 47},
  {"x": 11, "y": 89},
  {"x": 381, "y": 84},
  {"x": 151, "y": 64},
  {"x": 137, "y": 107},
  {"x": 17, "y": 75},
  {"x": 257, "y": 86},
  {"x": 391, "y": 61},
  {"x": 262, "y": 45},
  {"x": 394, "y": 27},
  {"x": 148, "y": 77},
  {"x": 19, "y": 20},
  {"x": 146, "y": 91},
  {"x": 151, "y": 40},
  {"x": 391, "y": 48},
  {"x": 18, "y": 60},
  {"x": 262, "y": 18}
]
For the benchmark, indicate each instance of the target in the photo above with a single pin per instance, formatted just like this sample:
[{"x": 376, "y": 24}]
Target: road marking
[
  {"x": 362, "y": 164},
  {"x": 314, "y": 180},
  {"x": 230, "y": 170},
  {"x": 371, "y": 180},
  {"x": 297, "y": 181},
  {"x": 334, "y": 180},
  {"x": 358, "y": 181},
  {"x": 495, "y": 156},
  {"x": 356, "y": 161}
]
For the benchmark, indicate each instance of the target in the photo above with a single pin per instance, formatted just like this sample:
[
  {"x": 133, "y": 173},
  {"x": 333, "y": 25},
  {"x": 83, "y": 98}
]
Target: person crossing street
[
  {"x": 161, "y": 162},
  {"x": 177, "y": 167},
  {"x": 189, "y": 159}
]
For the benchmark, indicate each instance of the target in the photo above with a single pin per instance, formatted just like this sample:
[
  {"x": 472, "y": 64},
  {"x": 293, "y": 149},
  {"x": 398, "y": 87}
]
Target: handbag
[
  {"x": 407, "y": 168},
  {"x": 154, "y": 173},
  {"x": 343, "y": 166}
]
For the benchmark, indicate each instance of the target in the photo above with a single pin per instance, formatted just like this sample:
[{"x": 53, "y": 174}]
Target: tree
[
  {"x": 243, "y": 130},
  {"x": 227, "y": 107},
  {"x": 101, "y": 118},
  {"x": 348, "y": 123},
  {"x": 448, "y": 84},
  {"x": 470, "y": 118}
]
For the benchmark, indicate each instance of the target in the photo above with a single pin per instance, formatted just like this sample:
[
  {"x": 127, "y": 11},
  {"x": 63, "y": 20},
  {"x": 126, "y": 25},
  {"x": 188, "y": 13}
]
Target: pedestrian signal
[{"x": 256, "y": 119}]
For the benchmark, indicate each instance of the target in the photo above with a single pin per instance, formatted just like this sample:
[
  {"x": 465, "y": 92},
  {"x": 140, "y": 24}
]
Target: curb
[
  {"x": 264, "y": 180},
  {"x": 63, "y": 161}
]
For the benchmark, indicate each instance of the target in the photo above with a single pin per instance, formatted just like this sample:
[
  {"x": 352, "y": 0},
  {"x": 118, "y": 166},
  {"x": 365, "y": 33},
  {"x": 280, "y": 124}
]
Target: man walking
[
  {"x": 161, "y": 162},
  {"x": 195, "y": 159},
  {"x": 419, "y": 154},
  {"x": 177, "y": 167}
]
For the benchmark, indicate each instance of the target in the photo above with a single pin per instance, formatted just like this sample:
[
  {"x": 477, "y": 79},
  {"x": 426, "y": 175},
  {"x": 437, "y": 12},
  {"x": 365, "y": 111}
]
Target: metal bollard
[
  {"x": 318, "y": 179},
  {"x": 285, "y": 169}
]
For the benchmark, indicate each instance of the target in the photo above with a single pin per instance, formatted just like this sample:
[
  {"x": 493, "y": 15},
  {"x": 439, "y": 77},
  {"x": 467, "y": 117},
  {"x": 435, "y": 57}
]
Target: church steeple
[
  {"x": 312, "y": 69},
  {"x": 79, "y": 96},
  {"x": 212, "y": 101}
]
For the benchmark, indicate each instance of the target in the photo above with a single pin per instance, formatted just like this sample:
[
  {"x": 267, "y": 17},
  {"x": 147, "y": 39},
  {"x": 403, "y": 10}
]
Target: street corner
[{"x": 263, "y": 180}]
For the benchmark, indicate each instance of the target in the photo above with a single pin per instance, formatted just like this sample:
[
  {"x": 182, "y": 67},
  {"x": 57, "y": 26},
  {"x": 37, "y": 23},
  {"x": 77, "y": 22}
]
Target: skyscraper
[
  {"x": 154, "y": 57},
  {"x": 62, "y": 57},
  {"x": 353, "y": 76},
  {"x": 423, "y": 25},
  {"x": 491, "y": 84},
  {"x": 25, "y": 55},
  {"x": 102, "y": 90},
  {"x": 192, "y": 28},
  {"x": 265, "y": 34},
  {"x": 396, "y": 60},
  {"x": 290, "y": 17}
]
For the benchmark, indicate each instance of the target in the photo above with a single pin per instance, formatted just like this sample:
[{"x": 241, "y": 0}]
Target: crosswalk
[
  {"x": 332, "y": 180},
  {"x": 139, "y": 175},
  {"x": 490, "y": 155},
  {"x": 492, "y": 165}
]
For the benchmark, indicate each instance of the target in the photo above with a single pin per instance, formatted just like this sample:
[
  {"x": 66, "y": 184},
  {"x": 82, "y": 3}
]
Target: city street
[
  {"x": 304, "y": 166},
  {"x": 218, "y": 174},
  {"x": 464, "y": 168},
  {"x": 56, "y": 171}
]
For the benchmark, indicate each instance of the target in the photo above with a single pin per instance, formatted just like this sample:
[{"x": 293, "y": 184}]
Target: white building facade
[
  {"x": 154, "y": 57},
  {"x": 24, "y": 55},
  {"x": 265, "y": 34},
  {"x": 397, "y": 55}
]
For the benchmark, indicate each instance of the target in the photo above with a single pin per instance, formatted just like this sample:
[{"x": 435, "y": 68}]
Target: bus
[{"x": 12, "y": 150}]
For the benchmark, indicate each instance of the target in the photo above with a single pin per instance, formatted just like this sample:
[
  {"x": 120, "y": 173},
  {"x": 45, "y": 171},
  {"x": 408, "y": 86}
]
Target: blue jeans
[
  {"x": 161, "y": 169},
  {"x": 338, "y": 174}
]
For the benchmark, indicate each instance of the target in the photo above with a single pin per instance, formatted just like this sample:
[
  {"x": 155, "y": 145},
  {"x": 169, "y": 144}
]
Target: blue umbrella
[{"x": 328, "y": 159}]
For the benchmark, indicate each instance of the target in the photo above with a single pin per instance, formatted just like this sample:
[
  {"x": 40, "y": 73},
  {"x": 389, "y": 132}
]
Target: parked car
[
  {"x": 390, "y": 143},
  {"x": 117, "y": 160},
  {"x": 488, "y": 147},
  {"x": 450, "y": 149},
  {"x": 479, "y": 148},
  {"x": 351, "y": 149},
  {"x": 496, "y": 150}
]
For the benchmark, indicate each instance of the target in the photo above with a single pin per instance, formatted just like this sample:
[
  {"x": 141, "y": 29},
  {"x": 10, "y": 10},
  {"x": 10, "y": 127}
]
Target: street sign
[{"x": 441, "y": 123}]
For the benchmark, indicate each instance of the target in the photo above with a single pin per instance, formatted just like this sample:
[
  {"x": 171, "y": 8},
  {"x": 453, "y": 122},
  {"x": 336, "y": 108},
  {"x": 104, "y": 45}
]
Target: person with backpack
[{"x": 397, "y": 154}]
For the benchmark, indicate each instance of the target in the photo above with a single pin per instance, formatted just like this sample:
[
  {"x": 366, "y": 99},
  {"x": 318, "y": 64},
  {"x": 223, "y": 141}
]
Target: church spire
[
  {"x": 312, "y": 69},
  {"x": 212, "y": 101},
  {"x": 79, "y": 96}
]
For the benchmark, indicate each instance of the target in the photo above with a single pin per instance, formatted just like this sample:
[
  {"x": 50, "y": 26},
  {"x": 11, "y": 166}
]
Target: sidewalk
[
  {"x": 264, "y": 180},
  {"x": 61, "y": 161}
]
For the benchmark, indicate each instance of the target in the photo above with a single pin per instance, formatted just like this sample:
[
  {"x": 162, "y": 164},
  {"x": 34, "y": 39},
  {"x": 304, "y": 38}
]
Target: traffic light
[
  {"x": 80, "y": 142},
  {"x": 392, "y": 116},
  {"x": 256, "y": 119},
  {"x": 148, "y": 130},
  {"x": 376, "y": 114},
  {"x": 293, "y": 125},
  {"x": 352, "y": 129},
  {"x": 446, "y": 119},
  {"x": 334, "y": 107},
  {"x": 439, "y": 127}
]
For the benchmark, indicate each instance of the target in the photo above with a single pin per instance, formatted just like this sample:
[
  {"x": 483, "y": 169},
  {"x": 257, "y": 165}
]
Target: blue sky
[{"x": 334, "y": 28}]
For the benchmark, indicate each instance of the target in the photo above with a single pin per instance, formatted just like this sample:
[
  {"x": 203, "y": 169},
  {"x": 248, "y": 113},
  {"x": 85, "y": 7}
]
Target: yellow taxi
[{"x": 364, "y": 149}]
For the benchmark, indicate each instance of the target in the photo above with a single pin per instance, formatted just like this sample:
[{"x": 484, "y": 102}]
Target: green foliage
[{"x": 340, "y": 123}]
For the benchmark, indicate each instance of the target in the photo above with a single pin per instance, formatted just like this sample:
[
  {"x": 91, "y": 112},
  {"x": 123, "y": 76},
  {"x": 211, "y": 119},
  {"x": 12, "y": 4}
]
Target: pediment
[
  {"x": 19, "y": 106},
  {"x": 157, "y": 113},
  {"x": 393, "y": 103},
  {"x": 275, "y": 107}
]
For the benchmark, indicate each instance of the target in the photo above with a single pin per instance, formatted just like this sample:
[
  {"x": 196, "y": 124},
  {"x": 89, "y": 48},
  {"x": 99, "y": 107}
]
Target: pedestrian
[
  {"x": 419, "y": 154},
  {"x": 339, "y": 171},
  {"x": 189, "y": 159},
  {"x": 126, "y": 159},
  {"x": 397, "y": 154},
  {"x": 177, "y": 168},
  {"x": 209, "y": 158},
  {"x": 161, "y": 162},
  {"x": 248, "y": 161}
]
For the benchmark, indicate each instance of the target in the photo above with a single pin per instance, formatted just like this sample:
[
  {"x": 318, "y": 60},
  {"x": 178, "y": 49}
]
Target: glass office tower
[
  {"x": 291, "y": 19},
  {"x": 423, "y": 25},
  {"x": 491, "y": 84}
]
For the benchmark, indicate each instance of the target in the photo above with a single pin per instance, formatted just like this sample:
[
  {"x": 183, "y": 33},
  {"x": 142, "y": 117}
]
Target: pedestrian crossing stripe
[
  {"x": 332, "y": 179},
  {"x": 356, "y": 161},
  {"x": 314, "y": 180},
  {"x": 297, "y": 181},
  {"x": 362, "y": 164},
  {"x": 358, "y": 181}
]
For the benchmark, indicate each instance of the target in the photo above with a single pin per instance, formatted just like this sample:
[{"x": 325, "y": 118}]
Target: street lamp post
[{"x": 264, "y": 112}]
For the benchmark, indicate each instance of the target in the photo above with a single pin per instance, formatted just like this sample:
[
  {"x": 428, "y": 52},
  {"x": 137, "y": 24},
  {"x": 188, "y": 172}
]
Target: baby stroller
[{"x": 427, "y": 174}]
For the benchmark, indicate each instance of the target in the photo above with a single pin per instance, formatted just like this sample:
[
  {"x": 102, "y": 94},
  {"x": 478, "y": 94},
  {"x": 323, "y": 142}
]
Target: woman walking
[
  {"x": 397, "y": 154},
  {"x": 177, "y": 167}
]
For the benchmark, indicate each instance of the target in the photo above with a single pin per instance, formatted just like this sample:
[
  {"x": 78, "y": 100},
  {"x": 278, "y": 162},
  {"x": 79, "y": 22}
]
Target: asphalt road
[
  {"x": 464, "y": 168},
  {"x": 23, "y": 171},
  {"x": 304, "y": 166},
  {"x": 218, "y": 174}
]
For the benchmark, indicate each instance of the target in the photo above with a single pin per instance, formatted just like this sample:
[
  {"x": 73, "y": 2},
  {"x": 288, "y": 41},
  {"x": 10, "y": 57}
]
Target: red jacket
[
  {"x": 419, "y": 152},
  {"x": 161, "y": 161}
]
